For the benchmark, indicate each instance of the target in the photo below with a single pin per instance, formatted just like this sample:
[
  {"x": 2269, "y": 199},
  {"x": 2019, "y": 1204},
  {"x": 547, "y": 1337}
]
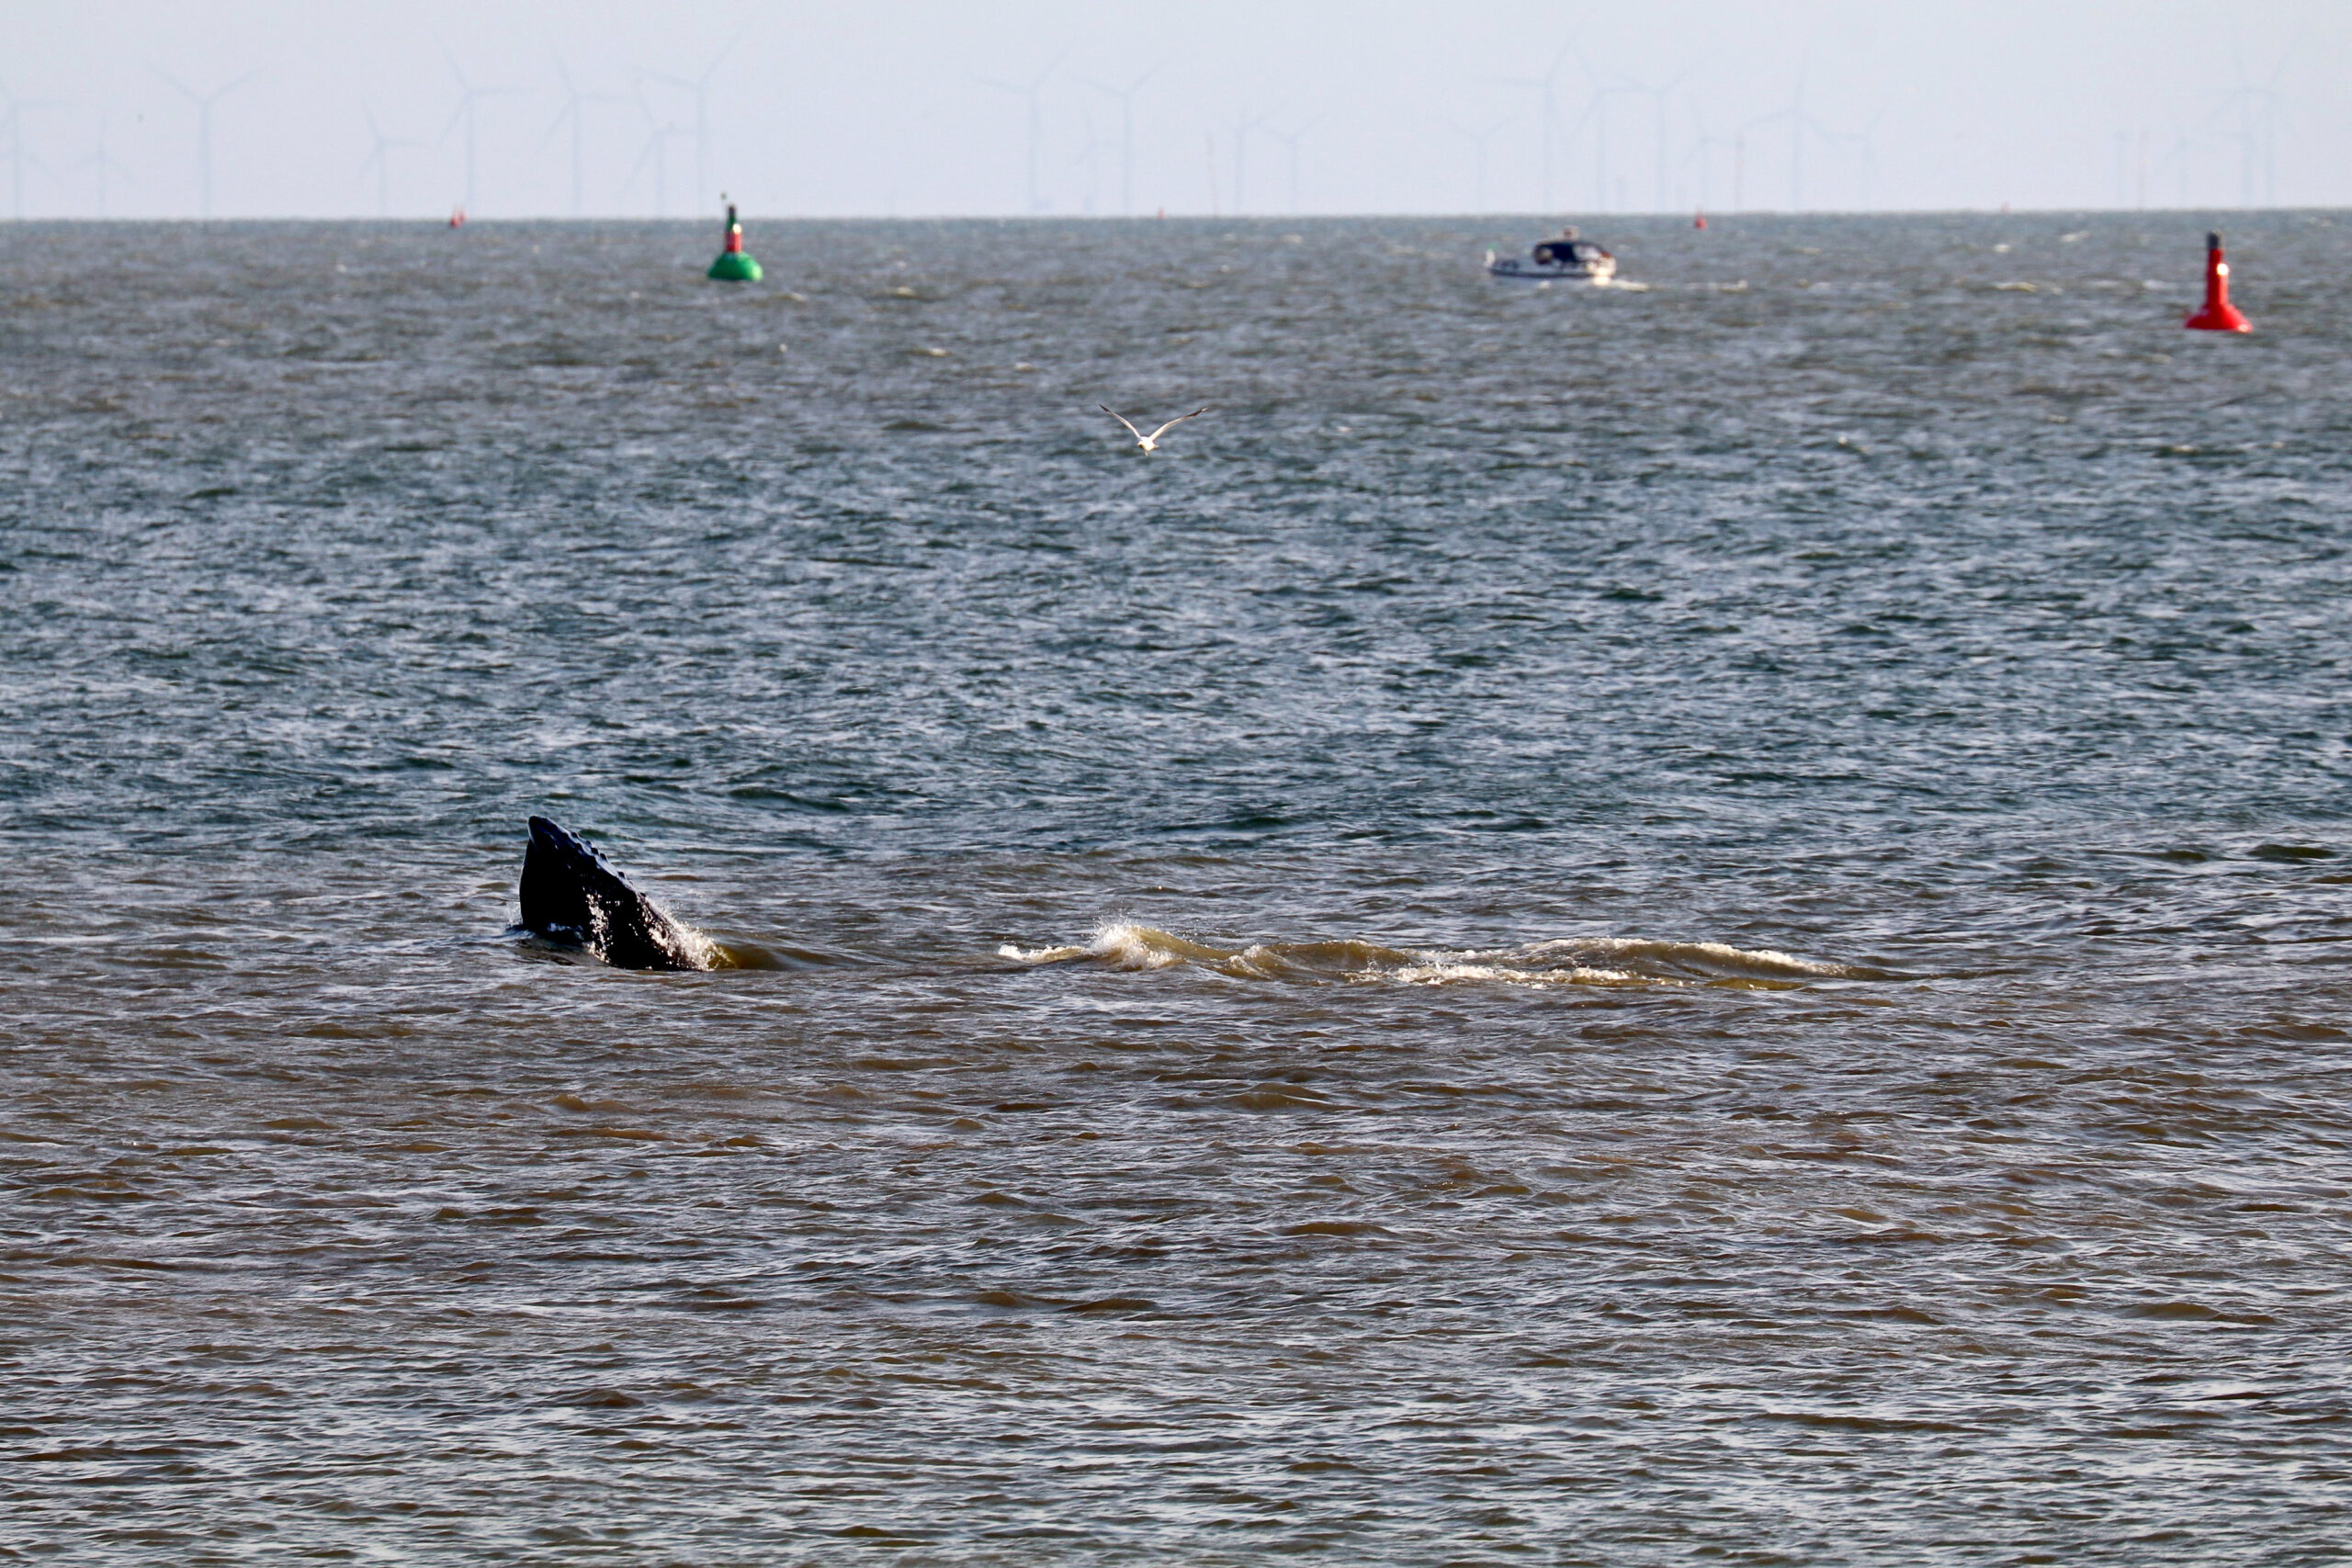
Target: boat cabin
[{"x": 1570, "y": 251}]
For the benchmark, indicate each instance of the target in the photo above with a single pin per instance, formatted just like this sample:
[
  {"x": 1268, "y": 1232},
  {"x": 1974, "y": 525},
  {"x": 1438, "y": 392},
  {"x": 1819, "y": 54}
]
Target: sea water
[{"x": 1583, "y": 926}]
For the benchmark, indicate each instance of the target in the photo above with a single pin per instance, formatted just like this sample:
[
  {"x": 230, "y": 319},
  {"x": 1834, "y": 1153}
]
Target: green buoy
[{"x": 735, "y": 264}]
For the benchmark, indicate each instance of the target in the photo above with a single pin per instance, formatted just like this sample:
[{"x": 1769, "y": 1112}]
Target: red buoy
[
  {"x": 1702, "y": 221},
  {"x": 2219, "y": 315}
]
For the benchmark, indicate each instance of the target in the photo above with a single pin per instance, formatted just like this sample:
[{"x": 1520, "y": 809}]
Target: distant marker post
[{"x": 2218, "y": 315}]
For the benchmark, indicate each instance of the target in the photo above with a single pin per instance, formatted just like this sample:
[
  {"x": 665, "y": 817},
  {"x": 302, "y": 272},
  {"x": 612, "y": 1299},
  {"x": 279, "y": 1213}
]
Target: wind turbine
[
  {"x": 1868, "y": 134},
  {"x": 18, "y": 154},
  {"x": 1865, "y": 142},
  {"x": 1289, "y": 139},
  {"x": 1703, "y": 149},
  {"x": 1548, "y": 85},
  {"x": 1796, "y": 139},
  {"x": 469, "y": 98},
  {"x": 1241, "y": 151},
  {"x": 1127, "y": 97},
  {"x": 1658, "y": 96},
  {"x": 2178, "y": 159},
  {"x": 657, "y": 151},
  {"x": 700, "y": 87},
  {"x": 1037, "y": 122},
  {"x": 204, "y": 102},
  {"x": 104, "y": 161},
  {"x": 1796, "y": 150},
  {"x": 1799, "y": 123},
  {"x": 2258, "y": 134},
  {"x": 1091, "y": 156},
  {"x": 1478, "y": 140},
  {"x": 572, "y": 100},
  {"x": 1597, "y": 111},
  {"x": 379, "y": 159}
]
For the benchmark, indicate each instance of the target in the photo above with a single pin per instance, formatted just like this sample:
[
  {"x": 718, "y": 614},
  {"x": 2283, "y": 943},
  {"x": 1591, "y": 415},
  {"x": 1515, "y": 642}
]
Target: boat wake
[{"x": 1584, "y": 960}]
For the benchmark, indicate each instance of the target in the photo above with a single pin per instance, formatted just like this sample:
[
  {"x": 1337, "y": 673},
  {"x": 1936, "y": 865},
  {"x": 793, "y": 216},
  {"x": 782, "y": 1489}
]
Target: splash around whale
[{"x": 572, "y": 896}]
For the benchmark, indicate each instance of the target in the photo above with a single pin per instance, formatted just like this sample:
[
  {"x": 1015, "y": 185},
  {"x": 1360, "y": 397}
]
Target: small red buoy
[
  {"x": 457, "y": 217},
  {"x": 1701, "y": 222},
  {"x": 2219, "y": 315}
]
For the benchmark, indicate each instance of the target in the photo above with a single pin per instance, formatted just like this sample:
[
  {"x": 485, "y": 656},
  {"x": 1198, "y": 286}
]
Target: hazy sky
[{"x": 884, "y": 107}]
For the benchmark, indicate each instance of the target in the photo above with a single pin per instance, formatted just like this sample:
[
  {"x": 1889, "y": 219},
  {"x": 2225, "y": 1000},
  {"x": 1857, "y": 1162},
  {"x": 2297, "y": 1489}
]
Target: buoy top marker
[{"x": 2218, "y": 315}]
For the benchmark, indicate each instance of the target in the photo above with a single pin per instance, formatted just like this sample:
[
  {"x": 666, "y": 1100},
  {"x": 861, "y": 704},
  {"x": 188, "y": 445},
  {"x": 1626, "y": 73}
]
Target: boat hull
[{"x": 1523, "y": 272}]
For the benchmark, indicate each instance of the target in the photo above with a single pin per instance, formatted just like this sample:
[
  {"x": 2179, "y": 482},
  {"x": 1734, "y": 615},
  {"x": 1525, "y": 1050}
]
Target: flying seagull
[{"x": 1149, "y": 443}]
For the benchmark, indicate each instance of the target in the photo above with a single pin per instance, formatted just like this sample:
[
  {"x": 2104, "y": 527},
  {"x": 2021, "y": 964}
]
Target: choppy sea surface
[{"x": 1710, "y": 922}]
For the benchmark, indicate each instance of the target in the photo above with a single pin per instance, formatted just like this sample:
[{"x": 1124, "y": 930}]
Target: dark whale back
[{"x": 570, "y": 896}]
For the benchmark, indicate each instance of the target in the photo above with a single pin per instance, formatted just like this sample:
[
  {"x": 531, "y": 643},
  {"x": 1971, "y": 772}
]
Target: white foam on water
[
  {"x": 693, "y": 948},
  {"x": 1141, "y": 947},
  {"x": 1120, "y": 944},
  {"x": 1712, "y": 956},
  {"x": 1441, "y": 971},
  {"x": 1596, "y": 960},
  {"x": 1039, "y": 954}
]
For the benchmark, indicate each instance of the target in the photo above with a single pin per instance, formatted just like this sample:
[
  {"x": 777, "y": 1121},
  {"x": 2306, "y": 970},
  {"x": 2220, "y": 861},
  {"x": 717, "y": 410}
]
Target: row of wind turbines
[
  {"x": 1692, "y": 162},
  {"x": 1686, "y": 167},
  {"x": 1554, "y": 133},
  {"x": 661, "y": 130},
  {"x": 101, "y": 163},
  {"x": 2248, "y": 115},
  {"x": 1032, "y": 91},
  {"x": 464, "y": 122}
]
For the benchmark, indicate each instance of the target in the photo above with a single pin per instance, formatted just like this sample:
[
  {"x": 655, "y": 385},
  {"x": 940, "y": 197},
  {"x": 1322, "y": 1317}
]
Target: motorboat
[{"x": 1564, "y": 258}]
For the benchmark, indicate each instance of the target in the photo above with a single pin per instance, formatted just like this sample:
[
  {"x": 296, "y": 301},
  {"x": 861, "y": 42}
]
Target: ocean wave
[{"x": 1592, "y": 960}]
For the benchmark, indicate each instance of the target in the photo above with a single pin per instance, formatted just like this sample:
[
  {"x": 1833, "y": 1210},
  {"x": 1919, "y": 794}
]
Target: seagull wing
[
  {"x": 1174, "y": 422},
  {"x": 1114, "y": 413}
]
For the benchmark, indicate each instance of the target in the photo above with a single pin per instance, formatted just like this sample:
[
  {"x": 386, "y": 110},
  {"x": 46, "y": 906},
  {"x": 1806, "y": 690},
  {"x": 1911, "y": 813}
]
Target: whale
[{"x": 571, "y": 896}]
